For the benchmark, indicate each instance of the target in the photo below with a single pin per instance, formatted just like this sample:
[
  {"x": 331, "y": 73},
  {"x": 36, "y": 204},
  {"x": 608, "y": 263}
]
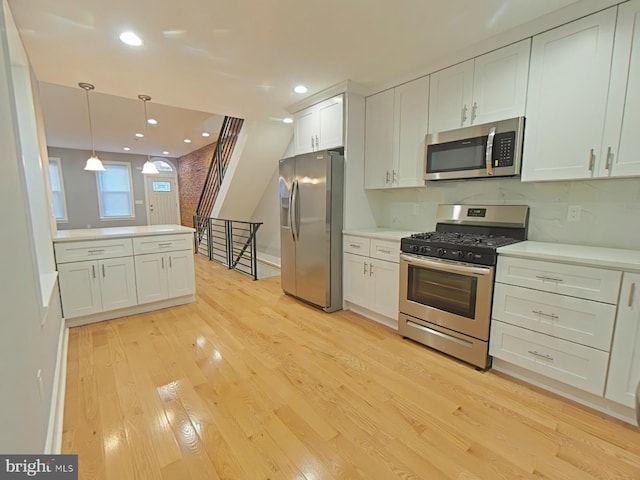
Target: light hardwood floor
[{"x": 248, "y": 383}]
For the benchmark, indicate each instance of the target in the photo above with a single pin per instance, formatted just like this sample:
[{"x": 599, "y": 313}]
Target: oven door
[{"x": 454, "y": 295}]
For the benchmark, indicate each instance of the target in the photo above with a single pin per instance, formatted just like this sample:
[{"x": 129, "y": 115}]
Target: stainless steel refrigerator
[{"x": 311, "y": 204}]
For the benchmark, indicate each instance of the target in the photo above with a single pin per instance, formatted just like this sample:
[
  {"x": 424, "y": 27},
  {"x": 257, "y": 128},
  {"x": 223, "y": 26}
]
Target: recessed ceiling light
[
  {"x": 130, "y": 38},
  {"x": 205, "y": 134},
  {"x": 287, "y": 120},
  {"x": 152, "y": 121},
  {"x": 187, "y": 140},
  {"x": 126, "y": 149},
  {"x": 139, "y": 135},
  {"x": 165, "y": 153},
  {"x": 300, "y": 89}
]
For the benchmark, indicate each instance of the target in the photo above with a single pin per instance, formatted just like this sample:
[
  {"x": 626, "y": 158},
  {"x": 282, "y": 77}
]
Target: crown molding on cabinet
[{"x": 347, "y": 86}]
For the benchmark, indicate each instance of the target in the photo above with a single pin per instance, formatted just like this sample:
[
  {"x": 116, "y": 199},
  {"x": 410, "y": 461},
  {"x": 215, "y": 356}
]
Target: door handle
[
  {"x": 607, "y": 164},
  {"x": 632, "y": 291},
  {"x": 474, "y": 110},
  {"x": 294, "y": 209},
  {"x": 162, "y": 261},
  {"x": 489, "y": 153},
  {"x": 293, "y": 237},
  {"x": 365, "y": 267},
  {"x": 93, "y": 270},
  {"x": 170, "y": 262},
  {"x": 463, "y": 117},
  {"x": 103, "y": 274},
  {"x": 592, "y": 159},
  {"x": 371, "y": 269}
]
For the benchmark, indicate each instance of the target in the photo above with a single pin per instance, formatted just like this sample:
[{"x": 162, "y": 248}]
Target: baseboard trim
[
  {"x": 125, "y": 312},
  {"x": 53, "y": 443}
]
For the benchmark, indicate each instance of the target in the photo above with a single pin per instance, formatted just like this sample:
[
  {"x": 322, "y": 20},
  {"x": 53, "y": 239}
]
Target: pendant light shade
[
  {"x": 149, "y": 168},
  {"x": 93, "y": 162}
]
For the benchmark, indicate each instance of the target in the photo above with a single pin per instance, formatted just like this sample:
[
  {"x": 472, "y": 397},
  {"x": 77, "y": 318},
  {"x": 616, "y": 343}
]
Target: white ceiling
[{"x": 243, "y": 57}]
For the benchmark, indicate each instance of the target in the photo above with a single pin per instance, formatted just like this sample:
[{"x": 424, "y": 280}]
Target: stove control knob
[
  {"x": 470, "y": 256},
  {"x": 441, "y": 252},
  {"x": 423, "y": 249},
  {"x": 459, "y": 254}
]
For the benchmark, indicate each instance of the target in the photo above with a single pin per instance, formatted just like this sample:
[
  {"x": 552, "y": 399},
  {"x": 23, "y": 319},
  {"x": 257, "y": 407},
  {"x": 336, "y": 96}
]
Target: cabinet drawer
[
  {"x": 582, "y": 367},
  {"x": 357, "y": 245},
  {"x": 92, "y": 250},
  {"x": 574, "y": 319},
  {"x": 385, "y": 250},
  {"x": 574, "y": 280},
  {"x": 162, "y": 243}
]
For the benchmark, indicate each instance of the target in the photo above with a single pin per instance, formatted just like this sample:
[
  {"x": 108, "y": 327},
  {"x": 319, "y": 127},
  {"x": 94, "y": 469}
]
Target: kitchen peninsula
[{"x": 107, "y": 273}]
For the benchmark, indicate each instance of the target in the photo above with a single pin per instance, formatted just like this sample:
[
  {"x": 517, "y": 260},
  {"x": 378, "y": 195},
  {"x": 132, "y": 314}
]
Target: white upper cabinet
[
  {"x": 488, "y": 88},
  {"x": 567, "y": 99},
  {"x": 395, "y": 128},
  {"x": 320, "y": 126},
  {"x": 451, "y": 95},
  {"x": 620, "y": 154}
]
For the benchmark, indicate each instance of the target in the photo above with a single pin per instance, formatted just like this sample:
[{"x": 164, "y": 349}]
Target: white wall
[{"x": 30, "y": 327}]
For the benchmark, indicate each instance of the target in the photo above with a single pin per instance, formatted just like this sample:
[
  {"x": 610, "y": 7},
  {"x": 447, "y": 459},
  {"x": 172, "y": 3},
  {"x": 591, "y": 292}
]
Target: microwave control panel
[{"x": 503, "y": 149}]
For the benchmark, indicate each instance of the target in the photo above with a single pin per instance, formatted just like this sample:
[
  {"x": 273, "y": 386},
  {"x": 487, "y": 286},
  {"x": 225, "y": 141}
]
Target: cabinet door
[
  {"x": 379, "y": 138},
  {"x": 624, "y": 369},
  {"x": 412, "y": 119},
  {"x": 79, "y": 289},
  {"x": 450, "y": 97},
  {"x": 385, "y": 287},
  {"x": 330, "y": 122},
  {"x": 567, "y": 98},
  {"x": 151, "y": 277},
  {"x": 305, "y": 129},
  {"x": 117, "y": 283},
  {"x": 356, "y": 279},
  {"x": 500, "y": 83},
  {"x": 623, "y": 114},
  {"x": 180, "y": 273}
]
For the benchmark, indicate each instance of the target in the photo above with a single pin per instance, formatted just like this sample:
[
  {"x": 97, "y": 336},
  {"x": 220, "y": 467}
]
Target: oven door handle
[{"x": 445, "y": 266}]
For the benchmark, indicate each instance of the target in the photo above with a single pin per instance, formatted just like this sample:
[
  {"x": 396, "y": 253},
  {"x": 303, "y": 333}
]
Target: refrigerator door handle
[
  {"x": 294, "y": 211},
  {"x": 291, "y": 211}
]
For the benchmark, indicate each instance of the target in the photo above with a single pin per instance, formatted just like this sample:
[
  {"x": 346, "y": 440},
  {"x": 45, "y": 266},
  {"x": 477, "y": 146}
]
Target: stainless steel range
[{"x": 446, "y": 278}]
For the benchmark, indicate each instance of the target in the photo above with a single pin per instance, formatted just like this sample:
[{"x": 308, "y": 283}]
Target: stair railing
[
  {"x": 227, "y": 138},
  {"x": 232, "y": 243}
]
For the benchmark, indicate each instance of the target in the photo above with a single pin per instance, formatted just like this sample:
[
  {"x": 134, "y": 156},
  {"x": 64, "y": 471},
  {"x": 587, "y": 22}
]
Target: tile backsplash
[{"x": 609, "y": 208}]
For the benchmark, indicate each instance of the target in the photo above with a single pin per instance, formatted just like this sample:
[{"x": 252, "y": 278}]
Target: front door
[{"x": 162, "y": 200}]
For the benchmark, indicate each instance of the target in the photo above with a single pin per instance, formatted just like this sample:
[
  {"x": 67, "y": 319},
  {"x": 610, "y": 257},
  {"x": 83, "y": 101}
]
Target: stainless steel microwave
[{"x": 487, "y": 150}]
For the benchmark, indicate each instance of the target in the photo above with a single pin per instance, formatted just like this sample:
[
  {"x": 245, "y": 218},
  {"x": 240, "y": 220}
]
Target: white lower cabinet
[
  {"x": 568, "y": 362},
  {"x": 372, "y": 283},
  {"x": 164, "y": 275},
  {"x": 95, "y": 286},
  {"x": 624, "y": 370}
]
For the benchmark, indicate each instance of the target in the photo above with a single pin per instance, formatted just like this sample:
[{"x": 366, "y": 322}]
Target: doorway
[{"x": 161, "y": 191}]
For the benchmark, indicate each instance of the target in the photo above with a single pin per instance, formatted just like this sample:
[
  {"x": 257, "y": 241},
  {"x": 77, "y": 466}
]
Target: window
[
  {"x": 163, "y": 166},
  {"x": 161, "y": 186},
  {"x": 57, "y": 190},
  {"x": 115, "y": 194}
]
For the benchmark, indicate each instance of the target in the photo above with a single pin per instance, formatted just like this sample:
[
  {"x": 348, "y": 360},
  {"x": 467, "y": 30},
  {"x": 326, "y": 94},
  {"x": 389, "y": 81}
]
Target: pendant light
[
  {"x": 93, "y": 163},
  {"x": 149, "y": 168}
]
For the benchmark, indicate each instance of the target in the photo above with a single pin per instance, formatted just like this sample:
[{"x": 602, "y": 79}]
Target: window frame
[
  {"x": 131, "y": 199},
  {"x": 58, "y": 163}
]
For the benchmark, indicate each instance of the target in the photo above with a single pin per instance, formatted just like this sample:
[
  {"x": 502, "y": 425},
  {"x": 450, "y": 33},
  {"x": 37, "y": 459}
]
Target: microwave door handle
[{"x": 489, "y": 153}]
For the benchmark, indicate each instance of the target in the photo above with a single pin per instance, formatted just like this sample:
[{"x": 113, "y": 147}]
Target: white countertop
[
  {"x": 118, "y": 232},
  {"x": 378, "y": 232},
  {"x": 615, "y": 258}
]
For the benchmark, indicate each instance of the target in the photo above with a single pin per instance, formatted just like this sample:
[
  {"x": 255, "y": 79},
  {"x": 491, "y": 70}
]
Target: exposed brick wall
[{"x": 192, "y": 173}]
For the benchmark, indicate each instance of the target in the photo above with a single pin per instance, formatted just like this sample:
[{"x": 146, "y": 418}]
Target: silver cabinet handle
[
  {"x": 354, "y": 245},
  {"x": 365, "y": 268},
  {"x": 103, "y": 274},
  {"x": 93, "y": 270},
  {"x": 371, "y": 269},
  {"x": 488, "y": 159},
  {"x": 387, "y": 177},
  {"x": 632, "y": 291},
  {"x": 474, "y": 110},
  {"x": 534, "y": 352},
  {"x": 384, "y": 250},
  {"x": 313, "y": 143},
  {"x": 592, "y": 159},
  {"x": 170, "y": 262},
  {"x": 607, "y": 164},
  {"x": 91, "y": 252},
  {"x": 394, "y": 179},
  {"x": 168, "y": 244},
  {"x": 544, "y": 278},
  {"x": 548, "y": 315},
  {"x": 463, "y": 117},
  {"x": 162, "y": 260},
  {"x": 317, "y": 142}
]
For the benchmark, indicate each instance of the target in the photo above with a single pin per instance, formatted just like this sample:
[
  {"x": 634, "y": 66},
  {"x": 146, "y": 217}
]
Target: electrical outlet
[{"x": 573, "y": 213}]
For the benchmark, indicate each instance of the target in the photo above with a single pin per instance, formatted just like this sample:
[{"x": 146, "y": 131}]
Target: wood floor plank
[{"x": 250, "y": 384}]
